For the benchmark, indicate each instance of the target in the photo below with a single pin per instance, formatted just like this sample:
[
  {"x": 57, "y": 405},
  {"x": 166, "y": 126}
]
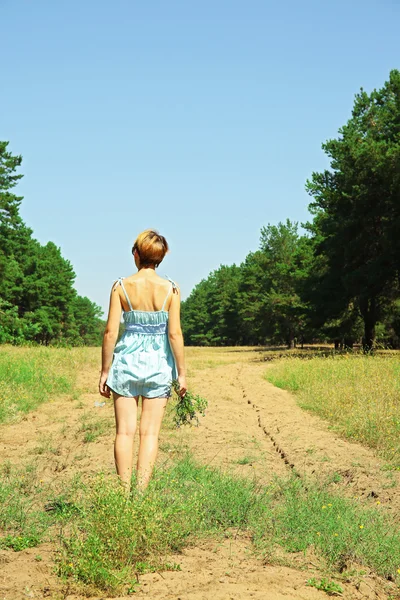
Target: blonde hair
[{"x": 151, "y": 247}]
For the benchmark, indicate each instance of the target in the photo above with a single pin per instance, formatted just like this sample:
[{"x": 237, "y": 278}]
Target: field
[{"x": 279, "y": 493}]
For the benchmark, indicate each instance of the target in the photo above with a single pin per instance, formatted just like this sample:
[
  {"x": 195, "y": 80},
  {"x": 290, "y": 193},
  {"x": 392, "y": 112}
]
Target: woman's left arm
[{"x": 109, "y": 339}]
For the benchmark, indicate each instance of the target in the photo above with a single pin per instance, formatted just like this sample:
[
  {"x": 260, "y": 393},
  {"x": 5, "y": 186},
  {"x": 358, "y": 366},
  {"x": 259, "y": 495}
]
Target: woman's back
[{"x": 145, "y": 293}]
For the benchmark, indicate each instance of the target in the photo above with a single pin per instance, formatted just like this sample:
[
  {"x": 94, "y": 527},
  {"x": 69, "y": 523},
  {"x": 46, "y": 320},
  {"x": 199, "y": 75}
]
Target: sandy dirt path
[{"x": 247, "y": 417}]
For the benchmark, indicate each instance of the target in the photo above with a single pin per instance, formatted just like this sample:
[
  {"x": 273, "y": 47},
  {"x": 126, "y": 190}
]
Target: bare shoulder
[
  {"x": 174, "y": 283},
  {"x": 115, "y": 285},
  {"x": 176, "y": 291}
]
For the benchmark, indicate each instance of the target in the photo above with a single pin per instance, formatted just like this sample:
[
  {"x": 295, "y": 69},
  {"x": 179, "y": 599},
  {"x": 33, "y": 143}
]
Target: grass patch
[
  {"x": 112, "y": 540},
  {"x": 329, "y": 587},
  {"x": 359, "y": 395},
  {"x": 105, "y": 541},
  {"x": 92, "y": 427},
  {"x": 339, "y": 530},
  {"x": 246, "y": 460},
  {"x": 22, "y": 522},
  {"x": 109, "y": 544},
  {"x": 30, "y": 376},
  {"x": 46, "y": 446}
]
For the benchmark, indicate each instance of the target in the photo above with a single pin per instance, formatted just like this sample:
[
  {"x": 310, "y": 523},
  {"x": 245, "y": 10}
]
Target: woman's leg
[
  {"x": 125, "y": 420},
  {"x": 150, "y": 423}
]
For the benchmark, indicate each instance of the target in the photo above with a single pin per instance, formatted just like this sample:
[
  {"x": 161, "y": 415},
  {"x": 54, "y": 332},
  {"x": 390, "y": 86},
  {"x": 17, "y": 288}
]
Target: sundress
[{"x": 143, "y": 362}]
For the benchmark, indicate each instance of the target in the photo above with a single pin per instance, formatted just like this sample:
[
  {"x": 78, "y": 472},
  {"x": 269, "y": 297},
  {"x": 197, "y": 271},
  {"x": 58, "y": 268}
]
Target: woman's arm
[
  {"x": 109, "y": 339},
  {"x": 176, "y": 338}
]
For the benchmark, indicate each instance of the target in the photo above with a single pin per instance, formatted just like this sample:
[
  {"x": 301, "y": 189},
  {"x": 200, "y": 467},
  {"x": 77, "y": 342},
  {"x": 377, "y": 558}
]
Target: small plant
[
  {"x": 92, "y": 428},
  {"x": 246, "y": 460},
  {"x": 187, "y": 406},
  {"x": 329, "y": 587}
]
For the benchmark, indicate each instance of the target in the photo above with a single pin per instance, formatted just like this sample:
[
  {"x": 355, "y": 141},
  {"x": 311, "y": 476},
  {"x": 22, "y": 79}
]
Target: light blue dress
[{"x": 143, "y": 363}]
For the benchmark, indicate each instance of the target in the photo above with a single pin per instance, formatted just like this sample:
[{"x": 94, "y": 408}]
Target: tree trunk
[
  {"x": 370, "y": 317},
  {"x": 290, "y": 339}
]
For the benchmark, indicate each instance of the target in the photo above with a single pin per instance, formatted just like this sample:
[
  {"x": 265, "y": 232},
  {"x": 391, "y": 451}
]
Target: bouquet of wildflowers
[{"x": 188, "y": 407}]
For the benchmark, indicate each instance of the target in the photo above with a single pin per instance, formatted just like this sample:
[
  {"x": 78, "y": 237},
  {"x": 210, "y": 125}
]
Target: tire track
[
  {"x": 306, "y": 445},
  {"x": 275, "y": 444}
]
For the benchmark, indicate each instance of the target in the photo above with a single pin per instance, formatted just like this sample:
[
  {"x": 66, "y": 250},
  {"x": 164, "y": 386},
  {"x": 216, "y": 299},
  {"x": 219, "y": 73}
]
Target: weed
[
  {"x": 46, "y": 447},
  {"x": 22, "y": 525},
  {"x": 324, "y": 458},
  {"x": 330, "y": 587},
  {"x": 246, "y": 460},
  {"x": 336, "y": 478},
  {"x": 92, "y": 427}
]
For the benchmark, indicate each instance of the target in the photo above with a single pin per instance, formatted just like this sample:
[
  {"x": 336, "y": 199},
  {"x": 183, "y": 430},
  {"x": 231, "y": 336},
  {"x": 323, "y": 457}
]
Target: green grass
[
  {"x": 92, "y": 427},
  {"x": 30, "y": 376},
  {"x": 112, "y": 539},
  {"x": 341, "y": 531},
  {"x": 330, "y": 587},
  {"x": 246, "y": 460},
  {"x": 22, "y": 522},
  {"x": 359, "y": 395},
  {"x": 105, "y": 540}
]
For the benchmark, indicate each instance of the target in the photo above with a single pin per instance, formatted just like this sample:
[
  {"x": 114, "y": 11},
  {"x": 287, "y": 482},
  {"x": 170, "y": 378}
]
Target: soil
[{"x": 248, "y": 421}]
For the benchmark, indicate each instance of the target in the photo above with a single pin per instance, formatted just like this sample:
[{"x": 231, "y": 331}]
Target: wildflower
[
  {"x": 329, "y": 504},
  {"x": 361, "y": 526},
  {"x": 398, "y": 570},
  {"x": 378, "y": 502},
  {"x": 335, "y": 534},
  {"x": 70, "y": 565},
  {"x": 319, "y": 533},
  {"x": 323, "y": 507}
]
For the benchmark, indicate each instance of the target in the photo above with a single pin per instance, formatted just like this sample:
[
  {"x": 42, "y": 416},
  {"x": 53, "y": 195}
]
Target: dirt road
[{"x": 248, "y": 421}]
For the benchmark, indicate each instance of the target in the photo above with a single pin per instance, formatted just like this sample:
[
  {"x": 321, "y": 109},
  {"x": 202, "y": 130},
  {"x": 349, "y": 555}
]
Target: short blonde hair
[{"x": 151, "y": 247}]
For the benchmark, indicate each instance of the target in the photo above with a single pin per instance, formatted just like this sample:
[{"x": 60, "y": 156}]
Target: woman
[{"x": 147, "y": 358}]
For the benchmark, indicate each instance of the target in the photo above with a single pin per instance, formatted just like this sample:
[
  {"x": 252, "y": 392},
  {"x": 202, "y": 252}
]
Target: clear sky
[{"x": 201, "y": 119}]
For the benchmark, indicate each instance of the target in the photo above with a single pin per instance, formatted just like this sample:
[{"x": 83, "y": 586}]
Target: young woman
[{"x": 146, "y": 359}]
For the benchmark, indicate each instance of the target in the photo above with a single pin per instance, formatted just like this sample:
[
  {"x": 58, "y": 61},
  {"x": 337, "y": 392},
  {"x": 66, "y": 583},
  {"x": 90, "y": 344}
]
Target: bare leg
[
  {"x": 150, "y": 424},
  {"x": 125, "y": 420}
]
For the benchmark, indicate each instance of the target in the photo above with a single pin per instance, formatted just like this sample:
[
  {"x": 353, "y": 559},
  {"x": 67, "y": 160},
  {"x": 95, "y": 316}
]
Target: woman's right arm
[
  {"x": 176, "y": 338},
  {"x": 109, "y": 339}
]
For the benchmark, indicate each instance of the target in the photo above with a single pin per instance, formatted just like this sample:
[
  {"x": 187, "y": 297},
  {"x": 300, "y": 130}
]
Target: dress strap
[
  {"x": 173, "y": 287},
  {"x": 166, "y": 298},
  {"x": 120, "y": 281}
]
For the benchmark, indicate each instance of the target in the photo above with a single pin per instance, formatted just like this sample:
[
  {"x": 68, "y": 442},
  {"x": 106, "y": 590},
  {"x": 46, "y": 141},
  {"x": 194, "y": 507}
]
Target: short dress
[{"x": 143, "y": 363}]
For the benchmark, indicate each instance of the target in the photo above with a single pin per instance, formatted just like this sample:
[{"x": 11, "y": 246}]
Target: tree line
[
  {"x": 338, "y": 281},
  {"x": 38, "y": 301}
]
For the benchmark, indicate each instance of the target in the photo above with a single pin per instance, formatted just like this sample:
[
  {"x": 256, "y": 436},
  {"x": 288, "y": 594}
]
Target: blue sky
[{"x": 200, "y": 119}]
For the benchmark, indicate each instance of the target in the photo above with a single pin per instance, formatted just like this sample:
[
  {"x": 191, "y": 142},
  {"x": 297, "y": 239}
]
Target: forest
[
  {"x": 336, "y": 281},
  {"x": 38, "y": 301}
]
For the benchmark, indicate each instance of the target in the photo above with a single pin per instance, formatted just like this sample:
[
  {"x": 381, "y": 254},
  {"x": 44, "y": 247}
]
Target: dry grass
[
  {"x": 359, "y": 395},
  {"x": 199, "y": 359}
]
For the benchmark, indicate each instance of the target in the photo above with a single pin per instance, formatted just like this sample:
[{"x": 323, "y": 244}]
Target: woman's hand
[
  {"x": 182, "y": 385},
  {"x": 103, "y": 387}
]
